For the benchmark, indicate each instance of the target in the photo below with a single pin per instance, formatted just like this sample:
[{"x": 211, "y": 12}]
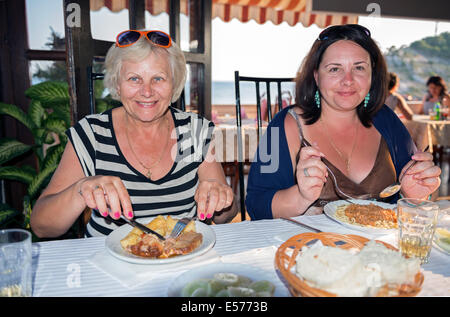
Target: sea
[{"x": 223, "y": 92}]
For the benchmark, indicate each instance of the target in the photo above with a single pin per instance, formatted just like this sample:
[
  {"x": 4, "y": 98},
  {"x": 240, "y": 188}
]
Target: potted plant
[{"x": 47, "y": 119}]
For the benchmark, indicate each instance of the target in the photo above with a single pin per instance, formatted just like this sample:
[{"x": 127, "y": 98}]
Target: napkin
[{"x": 132, "y": 275}]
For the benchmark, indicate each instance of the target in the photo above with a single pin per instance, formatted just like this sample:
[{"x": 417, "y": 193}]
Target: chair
[{"x": 257, "y": 80}]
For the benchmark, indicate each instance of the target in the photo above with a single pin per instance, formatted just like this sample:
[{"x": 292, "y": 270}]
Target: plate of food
[
  {"x": 329, "y": 264},
  {"x": 364, "y": 215},
  {"x": 226, "y": 280},
  {"x": 132, "y": 245},
  {"x": 441, "y": 240}
]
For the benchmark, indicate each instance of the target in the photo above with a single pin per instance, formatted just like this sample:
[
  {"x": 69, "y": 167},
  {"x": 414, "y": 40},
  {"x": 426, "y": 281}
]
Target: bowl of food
[
  {"x": 226, "y": 280},
  {"x": 329, "y": 264}
]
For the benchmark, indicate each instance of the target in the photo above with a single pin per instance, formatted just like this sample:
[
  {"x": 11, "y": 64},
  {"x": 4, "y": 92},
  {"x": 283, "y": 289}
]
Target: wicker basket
[{"x": 286, "y": 255}]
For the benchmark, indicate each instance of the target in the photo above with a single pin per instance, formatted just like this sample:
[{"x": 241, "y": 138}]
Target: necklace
[
  {"x": 148, "y": 168},
  {"x": 346, "y": 160}
]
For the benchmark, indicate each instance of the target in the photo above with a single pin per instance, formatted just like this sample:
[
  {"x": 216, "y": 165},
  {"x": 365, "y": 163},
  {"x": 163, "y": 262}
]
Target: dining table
[
  {"x": 85, "y": 267},
  {"x": 226, "y": 143},
  {"x": 426, "y": 131}
]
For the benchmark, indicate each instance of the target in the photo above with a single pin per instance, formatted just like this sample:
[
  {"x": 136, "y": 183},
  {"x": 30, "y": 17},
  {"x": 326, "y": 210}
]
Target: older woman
[
  {"x": 141, "y": 159},
  {"x": 339, "y": 121}
]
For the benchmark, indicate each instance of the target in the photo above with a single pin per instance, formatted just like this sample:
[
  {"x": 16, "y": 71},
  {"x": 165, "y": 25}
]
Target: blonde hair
[{"x": 137, "y": 52}]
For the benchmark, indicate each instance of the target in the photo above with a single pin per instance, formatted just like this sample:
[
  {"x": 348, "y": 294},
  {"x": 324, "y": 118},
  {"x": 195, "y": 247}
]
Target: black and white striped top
[{"x": 95, "y": 143}]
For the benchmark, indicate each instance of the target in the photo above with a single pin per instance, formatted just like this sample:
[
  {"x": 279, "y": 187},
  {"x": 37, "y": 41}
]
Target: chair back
[{"x": 259, "y": 118}]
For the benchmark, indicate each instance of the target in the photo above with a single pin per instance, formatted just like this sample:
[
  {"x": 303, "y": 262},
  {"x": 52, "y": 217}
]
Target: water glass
[
  {"x": 416, "y": 223},
  {"x": 15, "y": 263}
]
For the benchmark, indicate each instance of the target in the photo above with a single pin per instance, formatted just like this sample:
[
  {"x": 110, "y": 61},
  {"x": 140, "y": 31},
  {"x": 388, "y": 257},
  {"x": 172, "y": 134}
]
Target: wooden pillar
[
  {"x": 14, "y": 80},
  {"x": 79, "y": 55}
]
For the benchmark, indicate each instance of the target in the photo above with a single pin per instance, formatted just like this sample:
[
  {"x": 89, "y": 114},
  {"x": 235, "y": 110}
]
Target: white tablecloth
[
  {"x": 65, "y": 268},
  {"x": 428, "y": 132}
]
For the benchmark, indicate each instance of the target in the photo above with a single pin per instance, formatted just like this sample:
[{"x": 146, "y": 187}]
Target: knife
[
  {"x": 143, "y": 228},
  {"x": 301, "y": 224}
]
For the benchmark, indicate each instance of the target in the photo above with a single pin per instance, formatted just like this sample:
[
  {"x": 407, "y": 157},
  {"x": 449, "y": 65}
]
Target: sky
[{"x": 254, "y": 49}]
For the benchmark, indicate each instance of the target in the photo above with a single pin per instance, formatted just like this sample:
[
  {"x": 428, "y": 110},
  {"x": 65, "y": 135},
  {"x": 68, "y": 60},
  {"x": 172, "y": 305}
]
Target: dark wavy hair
[
  {"x": 393, "y": 79},
  {"x": 438, "y": 81},
  {"x": 306, "y": 85}
]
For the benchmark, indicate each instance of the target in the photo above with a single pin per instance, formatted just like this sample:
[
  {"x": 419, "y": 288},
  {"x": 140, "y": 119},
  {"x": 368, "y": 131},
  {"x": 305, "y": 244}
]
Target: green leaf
[
  {"x": 49, "y": 92},
  {"x": 17, "y": 174},
  {"x": 10, "y": 148},
  {"x": 53, "y": 156},
  {"x": 36, "y": 112},
  {"x": 18, "y": 114},
  {"x": 40, "y": 181},
  {"x": 55, "y": 125},
  {"x": 27, "y": 209},
  {"x": 7, "y": 213},
  {"x": 62, "y": 113},
  {"x": 49, "y": 139}
]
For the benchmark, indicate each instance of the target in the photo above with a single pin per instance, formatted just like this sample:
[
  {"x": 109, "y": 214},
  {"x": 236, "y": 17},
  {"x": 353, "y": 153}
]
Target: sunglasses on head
[
  {"x": 338, "y": 30},
  {"x": 129, "y": 37}
]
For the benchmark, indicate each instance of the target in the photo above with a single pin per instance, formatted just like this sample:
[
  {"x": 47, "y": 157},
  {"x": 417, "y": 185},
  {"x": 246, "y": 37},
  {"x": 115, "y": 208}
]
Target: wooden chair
[{"x": 243, "y": 164}]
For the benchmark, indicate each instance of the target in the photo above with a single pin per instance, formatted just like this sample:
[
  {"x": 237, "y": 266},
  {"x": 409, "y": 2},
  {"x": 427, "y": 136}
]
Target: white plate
[
  {"x": 440, "y": 248},
  {"x": 115, "y": 248},
  {"x": 208, "y": 271},
  {"x": 330, "y": 211}
]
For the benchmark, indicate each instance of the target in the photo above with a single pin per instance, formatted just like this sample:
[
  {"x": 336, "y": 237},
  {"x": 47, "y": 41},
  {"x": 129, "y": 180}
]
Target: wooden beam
[
  {"x": 136, "y": 14},
  {"x": 45, "y": 55},
  {"x": 80, "y": 51},
  {"x": 14, "y": 80}
]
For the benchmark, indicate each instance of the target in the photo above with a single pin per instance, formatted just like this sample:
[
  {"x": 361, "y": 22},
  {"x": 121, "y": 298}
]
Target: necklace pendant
[{"x": 149, "y": 174}]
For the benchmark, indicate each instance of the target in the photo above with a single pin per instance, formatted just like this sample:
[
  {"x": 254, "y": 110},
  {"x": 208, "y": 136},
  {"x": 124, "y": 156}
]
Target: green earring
[
  {"x": 317, "y": 98},
  {"x": 366, "y": 99}
]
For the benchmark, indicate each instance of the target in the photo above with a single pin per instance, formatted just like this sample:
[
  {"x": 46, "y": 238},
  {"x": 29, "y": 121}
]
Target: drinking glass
[
  {"x": 416, "y": 223},
  {"x": 15, "y": 263}
]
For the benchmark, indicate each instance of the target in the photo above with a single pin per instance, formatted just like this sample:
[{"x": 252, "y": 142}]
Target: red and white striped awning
[{"x": 276, "y": 11}]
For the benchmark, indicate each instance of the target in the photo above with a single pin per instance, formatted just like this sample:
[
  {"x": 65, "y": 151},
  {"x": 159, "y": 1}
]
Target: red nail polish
[
  {"x": 209, "y": 216},
  {"x": 117, "y": 215},
  {"x": 202, "y": 216},
  {"x": 130, "y": 214}
]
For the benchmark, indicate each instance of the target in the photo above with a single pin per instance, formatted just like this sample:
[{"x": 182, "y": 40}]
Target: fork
[
  {"x": 180, "y": 225},
  {"x": 336, "y": 186}
]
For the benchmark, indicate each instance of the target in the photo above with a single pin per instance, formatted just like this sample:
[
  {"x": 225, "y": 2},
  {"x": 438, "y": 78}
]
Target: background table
[
  {"x": 62, "y": 268},
  {"x": 226, "y": 140},
  {"x": 428, "y": 132}
]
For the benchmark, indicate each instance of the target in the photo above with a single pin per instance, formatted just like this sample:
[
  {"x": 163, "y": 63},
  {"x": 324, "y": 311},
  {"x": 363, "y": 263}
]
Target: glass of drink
[
  {"x": 417, "y": 220},
  {"x": 432, "y": 114},
  {"x": 15, "y": 263},
  {"x": 444, "y": 112}
]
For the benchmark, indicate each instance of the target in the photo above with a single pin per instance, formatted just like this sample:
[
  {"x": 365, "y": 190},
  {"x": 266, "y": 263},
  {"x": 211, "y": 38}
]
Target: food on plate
[
  {"x": 228, "y": 285},
  {"x": 370, "y": 215},
  {"x": 148, "y": 245},
  {"x": 375, "y": 270},
  {"x": 442, "y": 238}
]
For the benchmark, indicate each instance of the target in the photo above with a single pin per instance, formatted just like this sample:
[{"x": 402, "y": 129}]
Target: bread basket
[{"x": 286, "y": 255}]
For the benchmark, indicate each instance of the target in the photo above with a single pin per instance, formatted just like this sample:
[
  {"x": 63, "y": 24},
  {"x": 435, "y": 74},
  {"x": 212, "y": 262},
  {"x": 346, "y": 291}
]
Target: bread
[{"x": 351, "y": 273}]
